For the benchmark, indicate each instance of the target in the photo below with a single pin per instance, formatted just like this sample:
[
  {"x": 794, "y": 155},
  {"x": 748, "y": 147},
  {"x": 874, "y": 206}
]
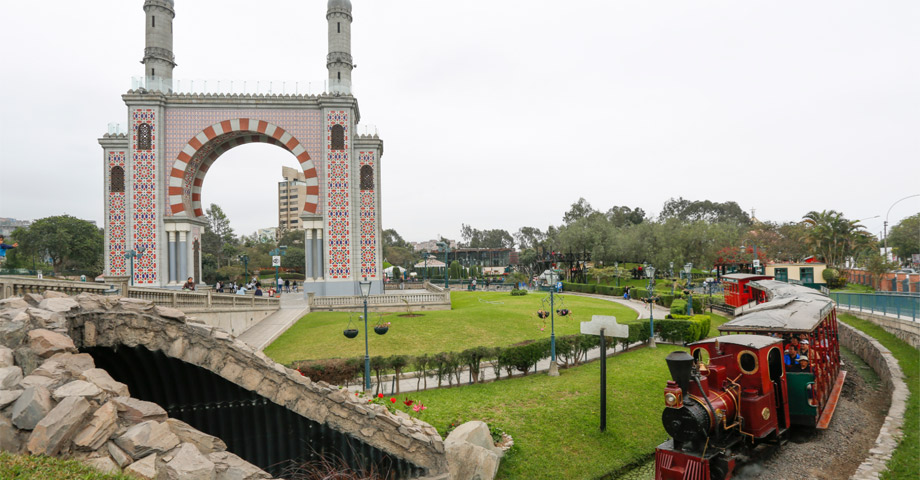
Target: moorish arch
[{"x": 154, "y": 172}]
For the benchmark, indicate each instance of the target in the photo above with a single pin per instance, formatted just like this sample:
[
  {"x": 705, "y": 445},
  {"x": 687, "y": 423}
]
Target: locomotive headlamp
[{"x": 670, "y": 399}]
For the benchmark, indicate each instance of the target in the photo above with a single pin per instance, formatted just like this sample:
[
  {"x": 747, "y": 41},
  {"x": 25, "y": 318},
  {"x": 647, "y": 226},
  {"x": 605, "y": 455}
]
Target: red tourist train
[{"x": 735, "y": 392}]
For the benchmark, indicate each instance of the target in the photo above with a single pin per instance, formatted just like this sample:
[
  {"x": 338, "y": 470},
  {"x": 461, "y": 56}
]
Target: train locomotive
[{"x": 734, "y": 394}]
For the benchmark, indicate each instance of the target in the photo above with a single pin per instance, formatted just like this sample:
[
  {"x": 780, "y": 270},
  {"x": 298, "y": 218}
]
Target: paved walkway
[
  {"x": 293, "y": 307},
  {"x": 409, "y": 382}
]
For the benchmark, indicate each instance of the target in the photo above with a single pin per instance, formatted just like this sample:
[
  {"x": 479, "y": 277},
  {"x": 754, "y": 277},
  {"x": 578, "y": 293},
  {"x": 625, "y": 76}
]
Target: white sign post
[
  {"x": 276, "y": 261},
  {"x": 604, "y": 326}
]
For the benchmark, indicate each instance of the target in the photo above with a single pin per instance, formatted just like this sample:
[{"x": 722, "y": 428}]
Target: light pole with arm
[
  {"x": 886, "y": 219},
  {"x": 245, "y": 260},
  {"x": 446, "y": 248},
  {"x": 365, "y": 292},
  {"x": 278, "y": 252},
  {"x": 650, "y": 271},
  {"x": 131, "y": 255}
]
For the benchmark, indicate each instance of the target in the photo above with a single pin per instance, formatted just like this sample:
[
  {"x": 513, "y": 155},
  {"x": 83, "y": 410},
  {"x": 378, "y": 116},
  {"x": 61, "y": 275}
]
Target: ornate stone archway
[{"x": 174, "y": 138}]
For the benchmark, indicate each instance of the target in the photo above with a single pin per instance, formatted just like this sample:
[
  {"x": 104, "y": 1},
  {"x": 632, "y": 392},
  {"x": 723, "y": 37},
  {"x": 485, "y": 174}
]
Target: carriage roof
[
  {"x": 791, "y": 308},
  {"x": 753, "y": 341}
]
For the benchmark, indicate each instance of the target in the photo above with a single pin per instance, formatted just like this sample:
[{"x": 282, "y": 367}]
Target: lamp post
[
  {"x": 131, "y": 255},
  {"x": 650, "y": 272},
  {"x": 245, "y": 260},
  {"x": 687, "y": 269},
  {"x": 616, "y": 269},
  {"x": 277, "y": 252},
  {"x": 671, "y": 275},
  {"x": 886, "y": 219},
  {"x": 553, "y": 366},
  {"x": 446, "y": 249},
  {"x": 365, "y": 292},
  {"x": 425, "y": 272}
]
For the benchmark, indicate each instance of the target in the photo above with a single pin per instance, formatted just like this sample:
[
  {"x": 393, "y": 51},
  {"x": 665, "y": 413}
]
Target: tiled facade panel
[
  {"x": 368, "y": 221},
  {"x": 144, "y": 198},
  {"x": 116, "y": 219},
  {"x": 183, "y": 124},
  {"x": 338, "y": 235}
]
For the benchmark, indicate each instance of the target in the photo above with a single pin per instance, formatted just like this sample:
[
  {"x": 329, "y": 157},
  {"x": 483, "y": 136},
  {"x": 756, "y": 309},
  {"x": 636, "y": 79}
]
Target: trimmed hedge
[{"x": 679, "y": 307}]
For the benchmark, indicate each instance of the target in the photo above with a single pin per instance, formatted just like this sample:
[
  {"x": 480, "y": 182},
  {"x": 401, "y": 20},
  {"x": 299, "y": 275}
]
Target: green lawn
[
  {"x": 476, "y": 319},
  {"x": 905, "y": 463},
  {"x": 38, "y": 467},
  {"x": 555, "y": 421}
]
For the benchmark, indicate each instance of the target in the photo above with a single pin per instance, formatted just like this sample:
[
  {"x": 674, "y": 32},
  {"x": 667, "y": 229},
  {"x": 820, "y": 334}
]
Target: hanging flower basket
[
  {"x": 381, "y": 330},
  {"x": 564, "y": 312},
  {"x": 542, "y": 314},
  {"x": 350, "y": 332}
]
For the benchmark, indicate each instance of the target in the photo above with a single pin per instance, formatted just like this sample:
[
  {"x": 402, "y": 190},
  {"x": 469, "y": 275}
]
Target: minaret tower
[
  {"x": 338, "y": 61},
  {"x": 159, "y": 60}
]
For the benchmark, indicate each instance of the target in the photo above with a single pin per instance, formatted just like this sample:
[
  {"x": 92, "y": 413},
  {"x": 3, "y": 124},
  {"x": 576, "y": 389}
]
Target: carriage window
[
  {"x": 338, "y": 137},
  {"x": 747, "y": 361},
  {"x": 701, "y": 355},
  {"x": 143, "y": 136},
  {"x": 117, "y": 181},
  {"x": 367, "y": 177}
]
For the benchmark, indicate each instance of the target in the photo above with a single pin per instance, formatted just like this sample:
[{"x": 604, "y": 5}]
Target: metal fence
[{"x": 901, "y": 306}]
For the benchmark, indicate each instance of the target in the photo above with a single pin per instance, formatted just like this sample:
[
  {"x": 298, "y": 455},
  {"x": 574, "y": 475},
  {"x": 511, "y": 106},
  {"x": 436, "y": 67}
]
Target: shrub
[
  {"x": 678, "y": 330},
  {"x": 666, "y": 300},
  {"x": 524, "y": 355},
  {"x": 703, "y": 321},
  {"x": 335, "y": 371},
  {"x": 679, "y": 307},
  {"x": 637, "y": 293},
  {"x": 518, "y": 292}
]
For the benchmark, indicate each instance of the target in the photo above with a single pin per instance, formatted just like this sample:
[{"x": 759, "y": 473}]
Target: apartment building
[{"x": 291, "y": 194}]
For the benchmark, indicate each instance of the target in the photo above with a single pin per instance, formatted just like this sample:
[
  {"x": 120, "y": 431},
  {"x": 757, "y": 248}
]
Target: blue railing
[{"x": 901, "y": 306}]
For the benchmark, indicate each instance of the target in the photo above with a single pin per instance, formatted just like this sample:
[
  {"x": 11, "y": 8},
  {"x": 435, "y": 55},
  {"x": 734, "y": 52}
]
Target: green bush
[
  {"x": 637, "y": 293},
  {"x": 589, "y": 288},
  {"x": 666, "y": 300},
  {"x": 679, "y": 307},
  {"x": 522, "y": 356},
  {"x": 678, "y": 330},
  {"x": 518, "y": 292},
  {"x": 703, "y": 320},
  {"x": 335, "y": 371}
]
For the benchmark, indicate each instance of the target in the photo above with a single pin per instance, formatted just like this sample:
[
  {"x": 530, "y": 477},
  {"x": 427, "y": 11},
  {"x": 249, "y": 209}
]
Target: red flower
[
  {"x": 408, "y": 402},
  {"x": 392, "y": 400},
  {"x": 379, "y": 395}
]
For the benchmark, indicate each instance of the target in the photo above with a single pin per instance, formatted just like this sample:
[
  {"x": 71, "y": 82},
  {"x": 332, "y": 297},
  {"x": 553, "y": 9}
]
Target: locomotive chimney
[{"x": 680, "y": 364}]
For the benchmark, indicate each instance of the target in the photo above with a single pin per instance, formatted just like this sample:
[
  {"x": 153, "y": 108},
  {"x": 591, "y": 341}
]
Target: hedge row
[
  {"x": 521, "y": 357},
  {"x": 664, "y": 299}
]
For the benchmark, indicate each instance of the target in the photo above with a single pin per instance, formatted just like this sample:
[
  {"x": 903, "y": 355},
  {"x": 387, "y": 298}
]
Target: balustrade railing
[
  {"x": 393, "y": 299},
  {"x": 901, "y": 306}
]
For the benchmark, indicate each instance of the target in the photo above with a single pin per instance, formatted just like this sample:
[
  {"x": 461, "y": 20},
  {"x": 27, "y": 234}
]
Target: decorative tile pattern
[
  {"x": 182, "y": 158},
  {"x": 144, "y": 199},
  {"x": 368, "y": 218},
  {"x": 338, "y": 237},
  {"x": 116, "y": 221}
]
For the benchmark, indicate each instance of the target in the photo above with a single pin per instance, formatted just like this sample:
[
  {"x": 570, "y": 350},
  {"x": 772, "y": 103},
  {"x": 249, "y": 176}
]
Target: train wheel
[{"x": 719, "y": 468}]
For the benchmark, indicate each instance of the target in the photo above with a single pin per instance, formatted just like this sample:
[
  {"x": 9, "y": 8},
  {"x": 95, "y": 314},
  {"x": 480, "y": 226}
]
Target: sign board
[
  {"x": 276, "y": 260},
  {"x": 756, "y": 263},
  {"x": 608, "y": 323},
  {"x": 915, "y": 258}
]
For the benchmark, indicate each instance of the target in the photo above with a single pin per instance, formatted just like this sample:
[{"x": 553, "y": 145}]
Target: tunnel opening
[{"x": 256, "y": 429}]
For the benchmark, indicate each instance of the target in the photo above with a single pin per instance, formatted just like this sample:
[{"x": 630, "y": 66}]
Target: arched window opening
[
  {"x": 338, "y": 26},
  {"x": 367, "y": 177},
  {"x": 117, "y": 180},
  {"x": 338, "y": 137},
  {"x": 143, "y": 136}
]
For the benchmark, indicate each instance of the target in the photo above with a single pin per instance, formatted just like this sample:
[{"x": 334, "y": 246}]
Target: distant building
[
  {"x": 431, "y": 245},
  {"x": 7, "y": 225},
  {"x": 291, "y": 194},
  {"x": 493, "y": 261}
]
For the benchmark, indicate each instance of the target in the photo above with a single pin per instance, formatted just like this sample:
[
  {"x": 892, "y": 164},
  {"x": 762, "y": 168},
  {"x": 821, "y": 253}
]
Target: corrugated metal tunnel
[{"x": 261, "y": 432}]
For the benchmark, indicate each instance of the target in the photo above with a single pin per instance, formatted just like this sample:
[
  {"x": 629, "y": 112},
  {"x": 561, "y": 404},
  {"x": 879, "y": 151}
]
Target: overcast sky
[{"x": 502, "y": 113}]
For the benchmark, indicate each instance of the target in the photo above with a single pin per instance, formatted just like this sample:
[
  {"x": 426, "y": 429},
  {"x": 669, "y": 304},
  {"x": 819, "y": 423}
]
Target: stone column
[
  {"x": 183, "y": 257},
  {"x": 319, "y": 270},
  {"x": 171, "y": 236},
  {"x": 308, "y": 247}
]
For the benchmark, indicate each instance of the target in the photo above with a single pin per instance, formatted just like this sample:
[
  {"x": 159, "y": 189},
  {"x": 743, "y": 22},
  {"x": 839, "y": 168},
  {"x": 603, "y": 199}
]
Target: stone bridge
[{"x": 267, "y": 414}]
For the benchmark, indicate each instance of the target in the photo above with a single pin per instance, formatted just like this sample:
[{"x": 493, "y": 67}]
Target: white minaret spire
[
  {"x": 159, "y": 60},
  {"x": 338, "y": 61}
]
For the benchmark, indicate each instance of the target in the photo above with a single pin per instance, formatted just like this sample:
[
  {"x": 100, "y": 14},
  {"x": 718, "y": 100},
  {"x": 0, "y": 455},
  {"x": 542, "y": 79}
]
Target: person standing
[
  {"x": 4, "y": 247},
  {"x": 189, "y": 284},
  {"x": 287, "y": 286}
]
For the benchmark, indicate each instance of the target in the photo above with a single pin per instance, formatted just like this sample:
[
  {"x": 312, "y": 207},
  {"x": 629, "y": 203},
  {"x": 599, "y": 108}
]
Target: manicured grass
[
  {"x": 555, "y": 421},
  {"x": 476, "y": 319},
  {"x": 905, "y": 462},
  {"x": 39, "y": 467},
  {"x": 854, "y": 288}
]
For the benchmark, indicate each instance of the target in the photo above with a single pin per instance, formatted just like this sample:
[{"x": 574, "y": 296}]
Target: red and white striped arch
[{"x": 199, "y": 153}]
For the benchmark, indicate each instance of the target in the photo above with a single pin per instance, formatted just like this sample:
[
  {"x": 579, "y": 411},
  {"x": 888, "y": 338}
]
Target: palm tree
[{"x": 831, "y": 236}]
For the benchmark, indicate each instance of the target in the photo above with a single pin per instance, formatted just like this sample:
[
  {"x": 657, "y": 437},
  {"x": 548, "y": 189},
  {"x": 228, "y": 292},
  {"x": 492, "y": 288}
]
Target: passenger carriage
[{"x": 794, "y": 310}]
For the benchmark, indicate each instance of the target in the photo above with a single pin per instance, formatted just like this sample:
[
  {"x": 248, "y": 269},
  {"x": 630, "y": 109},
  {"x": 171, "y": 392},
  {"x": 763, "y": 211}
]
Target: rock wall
[
  {"x": 886, "y": 366},
  {"x": 41, "y": 370},
  {"x": 906, "y": 330}
]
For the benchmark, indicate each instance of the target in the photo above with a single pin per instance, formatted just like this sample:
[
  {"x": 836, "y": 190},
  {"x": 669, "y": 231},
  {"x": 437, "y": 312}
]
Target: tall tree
[
  {"x": 529, "y": 237},
  {"x": 705, "y": 210},
  {"x": 579, "y": 209},
  {"x": 495, "y": 238},
  {"x": 218, "y": 238},
  {"x": 831, "y": 236},
  {"x": 69, "y": 243},
  {"x": 904, "y": 238},
  {"x": 623, "y": 216}
]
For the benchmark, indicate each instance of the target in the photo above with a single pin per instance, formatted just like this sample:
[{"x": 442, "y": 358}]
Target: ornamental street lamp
[
  {"x": 277, "y": 252},
  {"x": 616, "y": 269},
  {"x": 131, "y": 255},
  {"x": 425, "y": 273},
  {"x": 553, "y": 366},
  {"x": 365, "y": 292},
  {"x": 687, "y": 269},
  {"x": 650, "y": 272},
  {"x": 245, "y": 260},
  {"x": 446, "y": 248}
]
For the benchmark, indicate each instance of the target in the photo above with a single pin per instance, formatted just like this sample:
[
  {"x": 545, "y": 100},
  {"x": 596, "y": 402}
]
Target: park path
[
  {"x": 293, "y": 307},
  {"x": 409, "y": 382}
]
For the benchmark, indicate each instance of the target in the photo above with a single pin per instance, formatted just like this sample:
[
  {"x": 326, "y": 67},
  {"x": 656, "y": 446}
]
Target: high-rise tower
[
  {"x": 159, "y": 60},
  {"x": 338, "y": 61}
]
